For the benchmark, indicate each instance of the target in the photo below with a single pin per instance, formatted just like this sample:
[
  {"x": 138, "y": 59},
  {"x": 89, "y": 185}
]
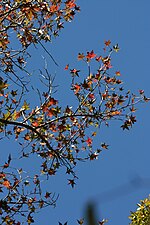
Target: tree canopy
[{"x": 56, "y": 134}]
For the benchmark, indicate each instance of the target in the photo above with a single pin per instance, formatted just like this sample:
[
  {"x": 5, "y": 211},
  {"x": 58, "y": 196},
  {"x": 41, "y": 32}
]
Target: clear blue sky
[{"x": 126, "y": 22}]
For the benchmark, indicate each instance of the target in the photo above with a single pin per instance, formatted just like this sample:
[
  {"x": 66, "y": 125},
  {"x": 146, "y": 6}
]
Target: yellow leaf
[
  {"x": 117, "y": 73},
  {"x": 3, "y": 84},
  {"x": 116, "y": 48}
]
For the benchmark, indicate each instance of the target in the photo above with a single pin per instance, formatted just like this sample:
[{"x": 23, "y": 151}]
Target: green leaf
[{"x": 25, "y": 106}]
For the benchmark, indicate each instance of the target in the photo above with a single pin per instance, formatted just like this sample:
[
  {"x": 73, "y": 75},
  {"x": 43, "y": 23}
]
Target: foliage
[
  {"x": 31, "y": 21},
  {"x": 61, "y": 136},
  {"x": 142, "y": 214}
]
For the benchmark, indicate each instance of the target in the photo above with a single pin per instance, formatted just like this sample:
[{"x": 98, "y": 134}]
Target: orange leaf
[
  {"x": 114, "y": 113},
  {"x": 54, "y": 8},
  {"x": 107, "y": 43},
  {"x": 70, "y": 4},
  {"x": 80, "y": 56},
  {"x": 35, "y": 124},
  {"x": 66, "y": 67},
  {"x": 27, "y": 137},
  {"x": 94, "y": 134},
  {"x": 29, "y": 14},
  {"x": 104, "y": 145},
  {"x": 117, "y": 73},
  {"x": 77, "y": 88},
  {"x": 50, "y": 112},
  {"x": 6, "y": 184},
  {"x": 52, "y": 101},
  {"x": 45, "y": 108}
]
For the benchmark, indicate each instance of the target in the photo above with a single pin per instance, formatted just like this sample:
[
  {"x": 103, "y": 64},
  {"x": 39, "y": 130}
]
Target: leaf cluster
[{"x": 142, "y": 214}]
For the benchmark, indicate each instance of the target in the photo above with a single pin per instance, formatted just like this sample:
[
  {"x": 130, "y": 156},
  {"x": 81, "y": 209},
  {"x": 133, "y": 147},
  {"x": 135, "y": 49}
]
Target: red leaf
[
  {"x": 77, "y": 88},
  {"x": 91, "y": 96},
  {"x": 45, "y": 108},
  {"x": 66, "y": 67},
  {"x": 35, "y": 124},
  {"x": 141, "y": 92},
  {"x": 89, "y": 141},
  {"x": 90, "y": 55},
  {"x": 98, "y": 58}
]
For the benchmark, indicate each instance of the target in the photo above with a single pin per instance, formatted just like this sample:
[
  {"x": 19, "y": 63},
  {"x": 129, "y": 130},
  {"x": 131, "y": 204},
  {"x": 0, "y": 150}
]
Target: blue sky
[
  {"x": 127, "y": 23},
  {"x": 106, "y": 180}
]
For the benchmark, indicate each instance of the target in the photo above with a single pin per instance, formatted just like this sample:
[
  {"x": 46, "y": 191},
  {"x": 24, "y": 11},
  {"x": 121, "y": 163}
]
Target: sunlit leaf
[
  {"x": 6, "y": 184},
  {"x": 66, "y": 67},
  {"x": 89, "y": 141},
  {"x": 90, "y": 55},
  {"x": 117, "y": 73},
  {"x": 116, "y": 48}
]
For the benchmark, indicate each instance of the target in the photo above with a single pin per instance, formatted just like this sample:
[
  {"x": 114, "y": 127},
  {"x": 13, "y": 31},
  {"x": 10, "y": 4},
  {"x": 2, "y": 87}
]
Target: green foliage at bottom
[{"x": 142, "y": 215}]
